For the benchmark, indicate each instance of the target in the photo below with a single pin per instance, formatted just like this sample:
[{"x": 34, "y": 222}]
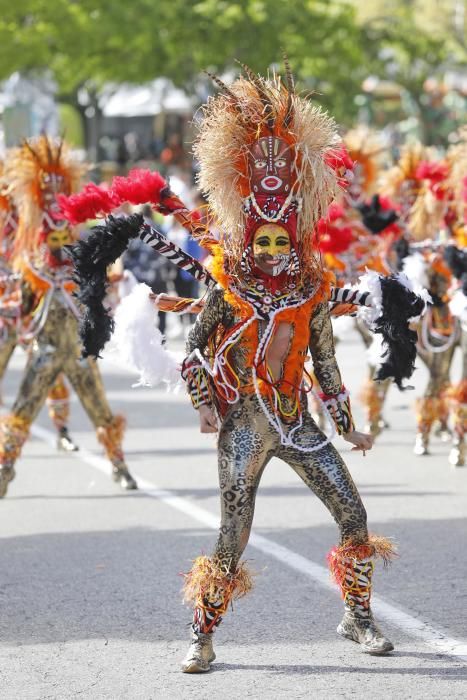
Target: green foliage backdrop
[{"x": 333, "y": 44}]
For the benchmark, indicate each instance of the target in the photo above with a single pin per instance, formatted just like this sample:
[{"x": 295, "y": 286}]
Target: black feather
[
  {"x": 91, "y": 258},
  {"x": 375, "y": 218},
  {"x": 456, "y": 259},
  {"x": 400, "y": 342},
  {"x": 402, "y": 249}
]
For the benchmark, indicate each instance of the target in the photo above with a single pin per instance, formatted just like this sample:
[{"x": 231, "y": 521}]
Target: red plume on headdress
[
  {"x": 340, "y": 161},
  {"x": 436, "y": 174},
  {"x": 334, "y": 235}
]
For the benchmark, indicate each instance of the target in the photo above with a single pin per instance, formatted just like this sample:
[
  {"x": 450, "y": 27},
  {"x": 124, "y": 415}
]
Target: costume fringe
[
  {"x": 111, "y": 437},
  {"x": 377, "y": 547},
  {"x": 207, "y": 579},
  {"x": 14, "y": 432},
  {"x": 457, "y": 392},
  {"x": 372, "y": 397},
  {"x": 429, "y": 409}
]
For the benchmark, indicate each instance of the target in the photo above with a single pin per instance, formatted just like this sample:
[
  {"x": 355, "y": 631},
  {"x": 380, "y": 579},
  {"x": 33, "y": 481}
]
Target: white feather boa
[
  {"x": 136, "y": 344},
  {"x": 458, "y": 306}
]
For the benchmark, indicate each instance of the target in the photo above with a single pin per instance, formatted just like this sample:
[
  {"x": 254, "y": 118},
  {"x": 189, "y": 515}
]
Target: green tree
[
  {"x": 90, "y": 42},
  {"x": 410, "y": 42}
]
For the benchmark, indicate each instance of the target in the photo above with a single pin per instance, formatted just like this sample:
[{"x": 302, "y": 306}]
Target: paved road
[{"x": 90, "y": 585}]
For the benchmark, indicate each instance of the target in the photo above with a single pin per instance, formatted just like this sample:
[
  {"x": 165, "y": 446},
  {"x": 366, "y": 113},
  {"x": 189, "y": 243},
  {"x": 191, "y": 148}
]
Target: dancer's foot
[
  {"x": 442, "y": 432},
  {"x": 421, "y": 445},
  {"x": 376, "y": 427},
  {"x": 65, "y": 442},
  {"x": 122, "y": 476},
  {"x": 7, "y": 474},
  {"x": 457, "y": 455},
  {"x": 200, "y": 654},
  {"x": 365, "y": 632}
]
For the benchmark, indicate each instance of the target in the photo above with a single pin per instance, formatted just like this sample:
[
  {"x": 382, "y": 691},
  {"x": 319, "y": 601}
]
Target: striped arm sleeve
[
  {"x": 338, "y": 406},
  {"x": 197, "y": 382}
]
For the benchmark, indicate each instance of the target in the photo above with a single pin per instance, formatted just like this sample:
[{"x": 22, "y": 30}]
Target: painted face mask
[
  {"x": 271, "y": 249},
  {"x": 270, "y": 166},
  {"x": 51, "y": 184},
  {"x": 57, "y": 239}
]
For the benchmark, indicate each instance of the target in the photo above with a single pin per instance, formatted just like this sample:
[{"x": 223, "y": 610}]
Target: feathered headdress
[
  {"x": 365, "y": 148},
  {"x": 29, "y": 170},
  {"x": 251, "y": 108},
  {"x": 415, "y": 184},
  {"x": 457, "y": 180}
]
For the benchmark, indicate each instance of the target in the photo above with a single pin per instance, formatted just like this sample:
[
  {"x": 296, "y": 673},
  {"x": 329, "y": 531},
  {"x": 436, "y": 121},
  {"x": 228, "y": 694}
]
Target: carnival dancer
[
  {"x": 456, "y": 395},
  {"x": 37, "y": 171},
  {"x": 376, "y": 228},
  {"x": 58, "y": 399},
  {"x": 420, "y": 186},
  {"x": 262, "y": 153},
  {"x": 265, "y": 155}
]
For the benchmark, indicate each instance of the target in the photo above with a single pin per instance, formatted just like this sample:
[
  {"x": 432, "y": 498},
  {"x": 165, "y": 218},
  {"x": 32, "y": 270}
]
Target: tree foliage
[
  {"x": 121, "y": 41},
  {"x": 332, "y": 44}
]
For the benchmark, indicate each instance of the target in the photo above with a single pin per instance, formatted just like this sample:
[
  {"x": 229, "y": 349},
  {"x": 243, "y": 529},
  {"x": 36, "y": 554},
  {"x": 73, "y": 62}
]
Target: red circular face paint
[{"x": 270, "y": 166}]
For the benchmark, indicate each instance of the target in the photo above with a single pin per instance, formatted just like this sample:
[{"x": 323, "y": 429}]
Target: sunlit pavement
[{"x": 89, "y": 575}]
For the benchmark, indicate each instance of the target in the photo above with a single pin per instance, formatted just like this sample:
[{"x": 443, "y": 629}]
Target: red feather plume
[
  {"x": 139, "y": 187},
  {"x": 92, "y": 202}
]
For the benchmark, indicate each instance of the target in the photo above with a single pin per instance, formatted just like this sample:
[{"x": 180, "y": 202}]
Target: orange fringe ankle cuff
[
  {"x": 14, "y": 432},
  {"x": 207, "y": 580},
  {"x": 111, "y": 436},
  {"x": 375, "y": 547}
]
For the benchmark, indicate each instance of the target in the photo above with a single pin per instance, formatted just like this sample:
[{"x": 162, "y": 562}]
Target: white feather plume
[
  {"x": 375, "y": 352},
  {"x": 370, "y": 282},
  {"x": 458, "y": 306},
  {"x": 415, "y": 267},
  {"x": 136, "y": 344}
]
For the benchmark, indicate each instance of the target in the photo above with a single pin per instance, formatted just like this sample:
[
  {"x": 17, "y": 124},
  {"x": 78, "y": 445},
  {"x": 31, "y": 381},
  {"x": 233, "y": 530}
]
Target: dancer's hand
[
  {"x": 362, "y": 441},
  {"x": 207, "y": 419}
]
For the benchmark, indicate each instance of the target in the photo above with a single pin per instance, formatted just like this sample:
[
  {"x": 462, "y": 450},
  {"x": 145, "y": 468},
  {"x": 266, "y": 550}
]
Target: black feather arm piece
[
  {"x": 375, "y": 218},
  {"x": 400, "y": 342},
  {"x": 91, "y": 258},
  {"x": 457, "y": 260},
  {"x": 402, "y": 248}
]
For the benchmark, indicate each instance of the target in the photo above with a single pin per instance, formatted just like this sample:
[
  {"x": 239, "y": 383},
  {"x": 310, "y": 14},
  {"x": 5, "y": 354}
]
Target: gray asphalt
[{"x": 90, "y": 584}]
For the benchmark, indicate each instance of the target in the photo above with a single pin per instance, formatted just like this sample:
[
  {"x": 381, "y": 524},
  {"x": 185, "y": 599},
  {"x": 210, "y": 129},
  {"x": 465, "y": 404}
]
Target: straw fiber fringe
[
  {"x": 376, "y": 547},
  {"x": 207, "y": 579}
]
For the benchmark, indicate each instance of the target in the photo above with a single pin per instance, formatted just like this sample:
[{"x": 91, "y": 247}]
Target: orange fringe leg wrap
[
  {"x": 210, "y": 588},
  {"x": 372, "y": 397},
  {"x": 429, "y": 409},
  {"x": 14, "y": 432},
  {"x": 111, "y": 437},
  {"x": 457, "y": 397},
  {"x": 58, "y": 402},
  {"x": 351, "y": 566}
]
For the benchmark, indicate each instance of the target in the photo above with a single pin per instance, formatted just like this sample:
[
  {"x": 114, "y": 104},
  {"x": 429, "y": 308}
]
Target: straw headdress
[
  {"x": 250, "y": 108},
  {"x": 26, "y": 169}
]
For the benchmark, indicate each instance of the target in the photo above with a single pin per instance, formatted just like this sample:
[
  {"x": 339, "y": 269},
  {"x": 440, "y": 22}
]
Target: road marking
[{"x": 436, "y": 639}]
